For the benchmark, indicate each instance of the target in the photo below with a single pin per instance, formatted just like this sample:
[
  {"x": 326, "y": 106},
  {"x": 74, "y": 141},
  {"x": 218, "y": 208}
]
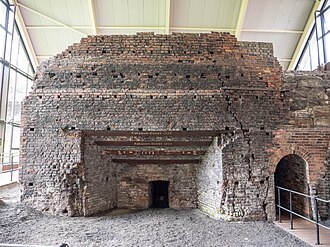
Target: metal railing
[
  {"x": 314, "y": 199},
  {"x": 8, "y": 159}
]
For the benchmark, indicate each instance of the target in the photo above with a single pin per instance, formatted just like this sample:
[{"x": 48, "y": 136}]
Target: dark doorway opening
[
  {"x": 159, "y": 194},
  {"x": 291, "y": 174}
]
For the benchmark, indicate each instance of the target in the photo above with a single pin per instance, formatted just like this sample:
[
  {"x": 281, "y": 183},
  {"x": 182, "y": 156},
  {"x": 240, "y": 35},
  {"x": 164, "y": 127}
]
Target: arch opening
[{"x": 291, "y": 173}]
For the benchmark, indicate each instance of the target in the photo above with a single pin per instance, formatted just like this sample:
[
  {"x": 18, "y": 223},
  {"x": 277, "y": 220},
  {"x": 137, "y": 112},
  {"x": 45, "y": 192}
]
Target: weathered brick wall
[
  {"x": 134, "y": 187},
  {"x": 209, "y": 179},
  {"x": 170, "y": 83},
  {"x": 100, "y": 194}
]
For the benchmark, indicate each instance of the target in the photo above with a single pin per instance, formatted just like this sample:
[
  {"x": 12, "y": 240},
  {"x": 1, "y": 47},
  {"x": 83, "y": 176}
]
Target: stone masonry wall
[{"x": 307, "y": 133}]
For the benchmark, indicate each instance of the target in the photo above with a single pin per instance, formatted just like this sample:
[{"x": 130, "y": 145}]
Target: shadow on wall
[{"x": 291, "y": 173}]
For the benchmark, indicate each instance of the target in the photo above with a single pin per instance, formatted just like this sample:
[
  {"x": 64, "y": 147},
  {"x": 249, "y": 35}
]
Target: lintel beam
[
  {"x": 191, "y": 133},
  {"x": 155, "y": 152},
  {"x": 157, "y": 161},
  {"x": 154, "y": 143},
  {"x": 206, "y": 29},
  {"x": 272, "y": 31}
]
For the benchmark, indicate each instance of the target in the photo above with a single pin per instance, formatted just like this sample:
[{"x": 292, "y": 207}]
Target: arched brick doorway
[{"x": 291, "y": 173}]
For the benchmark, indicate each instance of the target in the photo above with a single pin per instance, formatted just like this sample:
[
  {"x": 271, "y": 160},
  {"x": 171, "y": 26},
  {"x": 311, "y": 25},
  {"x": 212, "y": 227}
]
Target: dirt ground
[{"x": 163, "y": 227}]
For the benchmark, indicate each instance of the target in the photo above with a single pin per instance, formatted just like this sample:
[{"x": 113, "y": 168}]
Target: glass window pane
[
  {"x": 20, "y": 95},
  {"x": 11, "y": 90},
  {"x": 11, "y": 19},
  {"x": 23, "y": 62},
  {"x": 15, "y": 48},
  {"x": 327, "y": 20},
  {"x": 7, "y": 140},
  {"x": 8, "y": 47},
  {"x": 16, "y": 137},
  {"x": 3, "y": 10},
  {"x": 2, "y": 42},
  {"x": 327, "y": 44}
]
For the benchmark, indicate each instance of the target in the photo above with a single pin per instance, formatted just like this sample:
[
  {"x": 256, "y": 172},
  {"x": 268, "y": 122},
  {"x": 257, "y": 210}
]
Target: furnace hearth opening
[{"x": 159, "y": 194}]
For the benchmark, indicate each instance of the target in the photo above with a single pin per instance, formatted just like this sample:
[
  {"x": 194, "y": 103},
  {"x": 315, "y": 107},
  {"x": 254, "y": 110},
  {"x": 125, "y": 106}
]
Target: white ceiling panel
[
  {"x": 179, "y": 13},
  {"x": 196, "y": 13},
  {"x": 60, "y": 11},
  {"x": 131, "y": 13},
  {"x": 154, "y": 13},
  {"x": 105, "y": 13},
  {"x": 33, "y": 19},
  {"x": 228, "y": 13},
  {"x": 52, "y": 41},
  {"x": 278, "y": 15},
  {"x": 221, "y": 13},
  {"x": 205, "y": 13}
]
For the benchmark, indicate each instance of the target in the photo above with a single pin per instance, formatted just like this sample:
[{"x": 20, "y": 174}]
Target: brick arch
[{"x": 284, "y": 151}]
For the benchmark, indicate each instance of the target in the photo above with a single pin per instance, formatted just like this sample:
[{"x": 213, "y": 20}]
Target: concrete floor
[
  {"x": 5, "y": 178},
  {"x": 304, "y": 230}
]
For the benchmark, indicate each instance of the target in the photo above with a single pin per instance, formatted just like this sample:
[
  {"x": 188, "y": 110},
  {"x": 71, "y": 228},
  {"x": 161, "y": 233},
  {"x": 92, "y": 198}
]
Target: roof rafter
[
  {"x": 92, "y": 11},
  {"x": 51, "y": 19},
  {"x": 304, "y": 35},
  {"x": 272, "y": 31},
  {"x": 204, "y": 29},
  {"x": 167, "y": 16},
  {"x": 240, "y": 18}
]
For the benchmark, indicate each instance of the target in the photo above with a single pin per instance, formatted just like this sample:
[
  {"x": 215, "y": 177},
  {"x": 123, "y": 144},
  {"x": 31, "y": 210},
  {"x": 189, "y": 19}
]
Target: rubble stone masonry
[{"x": 111, "y": 114}]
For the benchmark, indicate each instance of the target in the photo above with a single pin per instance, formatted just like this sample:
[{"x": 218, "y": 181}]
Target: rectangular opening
[{"x": 159, "y": 194}]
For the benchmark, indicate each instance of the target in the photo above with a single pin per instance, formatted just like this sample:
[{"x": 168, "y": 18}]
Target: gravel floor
[{"x": 165, "y": 227}]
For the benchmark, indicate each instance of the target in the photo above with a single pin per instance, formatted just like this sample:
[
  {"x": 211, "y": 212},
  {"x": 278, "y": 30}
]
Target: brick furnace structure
[{"x": 179, "y": 121}]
